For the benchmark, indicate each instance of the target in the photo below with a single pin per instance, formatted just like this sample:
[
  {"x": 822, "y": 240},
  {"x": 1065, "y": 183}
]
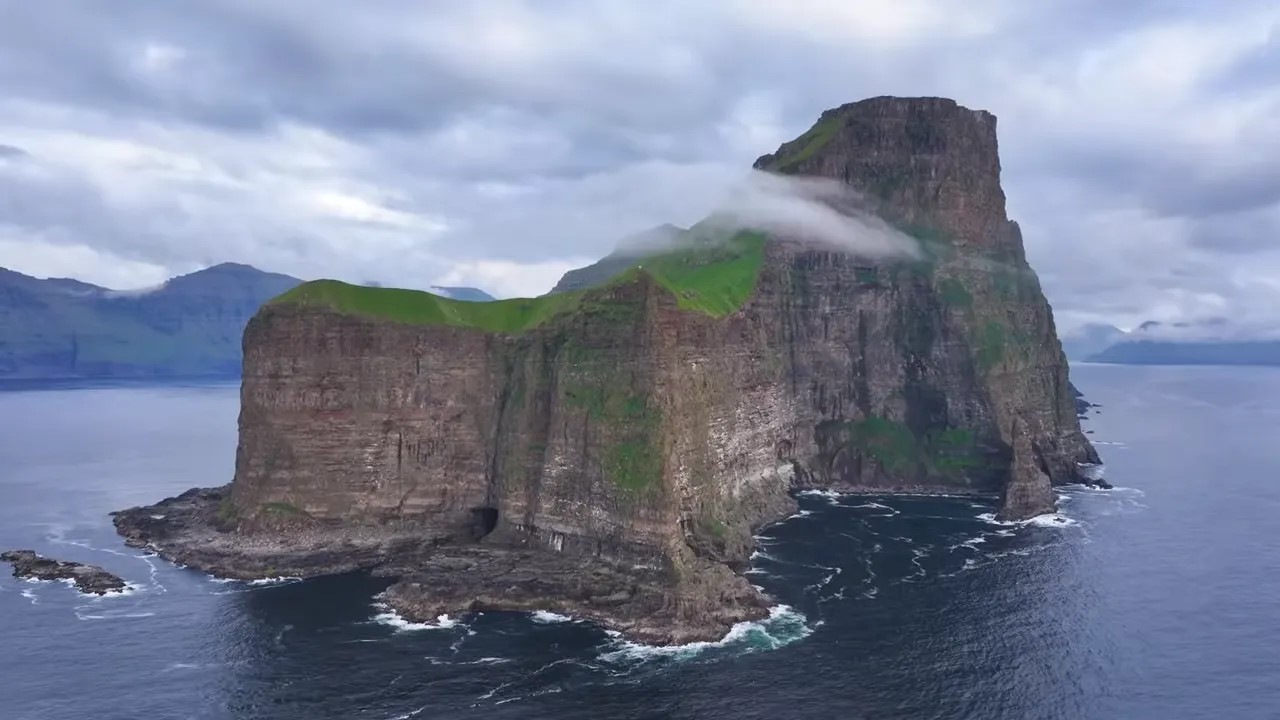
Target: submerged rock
[
  {"x": 88, "y": 579},
  {"x": 609, "y": 452}
]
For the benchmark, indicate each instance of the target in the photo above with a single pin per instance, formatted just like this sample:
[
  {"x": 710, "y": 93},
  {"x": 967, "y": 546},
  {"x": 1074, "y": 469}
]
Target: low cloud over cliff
[{"x": 815, "y": 210}]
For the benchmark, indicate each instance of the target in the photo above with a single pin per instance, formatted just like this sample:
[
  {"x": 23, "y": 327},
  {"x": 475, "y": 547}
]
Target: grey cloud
[
  {"x": 1241, "y": 234},
  {"x": 538, "y": 132}
]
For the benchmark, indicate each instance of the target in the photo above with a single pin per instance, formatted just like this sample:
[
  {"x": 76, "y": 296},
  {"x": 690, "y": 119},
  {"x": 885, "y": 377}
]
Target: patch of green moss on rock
[
  {"x": 889, "y": 443},
  {"x": 628, "y": 428},
  {"x": 990, "y": 344},
  {"x": 946, "y": 451},
  {"x": 283, "y": 510},
  {"x": 808, "y": 144},
  {"x": 228, "y": 513},
  {"x": 953, "y": 292}
]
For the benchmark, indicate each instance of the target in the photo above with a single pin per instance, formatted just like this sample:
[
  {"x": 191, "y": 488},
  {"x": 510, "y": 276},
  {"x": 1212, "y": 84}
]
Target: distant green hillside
[
  {"x": 630, "y": 251},
  {"x": 190, "y": 326},
  {"x": 469, "y": 294},
  {"x": 714, "y": 278}
]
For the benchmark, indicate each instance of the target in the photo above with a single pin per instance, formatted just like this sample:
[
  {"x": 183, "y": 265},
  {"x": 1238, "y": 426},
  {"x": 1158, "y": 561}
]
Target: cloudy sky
[{"x": 498, "y": 143}]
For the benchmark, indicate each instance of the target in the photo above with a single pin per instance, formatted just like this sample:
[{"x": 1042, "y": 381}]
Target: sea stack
[{"x": 608, "y": 452}]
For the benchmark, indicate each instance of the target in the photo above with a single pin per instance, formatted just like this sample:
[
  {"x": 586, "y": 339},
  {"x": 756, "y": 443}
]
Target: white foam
[
  {"x": 282, "y": 580},
  {"x": 783, "y": 626},
  {"x": 547, "y": 617},
  {"x": 917, "y": 554},
  {"x": 393, "y": 619},
  {"x": 113, "y": 616},
  {"x": 831, "y": 496},
  {"x": 1045, "y": 520},
  {"x": 485, "y": 661},
  {"x": 820, "y": 493},
  {"x": 875, "y": 506},
  {"x": 1054, "y": 520},
  {"x": 990, "y": 519},
  {"x": 30, "y": 594},
  {"x": 128, "y": 589},
  {"x": 826, "y": 580},
  {"x": 411, "y": 713}
]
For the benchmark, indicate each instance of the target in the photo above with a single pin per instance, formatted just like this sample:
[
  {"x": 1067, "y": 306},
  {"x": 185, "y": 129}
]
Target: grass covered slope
[{"x": 715, "y": 279}]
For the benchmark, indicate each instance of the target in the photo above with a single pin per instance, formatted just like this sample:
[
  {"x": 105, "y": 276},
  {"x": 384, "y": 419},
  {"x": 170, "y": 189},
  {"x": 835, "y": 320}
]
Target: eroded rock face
[
  {"x": 629, "y": 449},
  {"x": 932, "y": 167},
  {"x": 88, "y": 579}
]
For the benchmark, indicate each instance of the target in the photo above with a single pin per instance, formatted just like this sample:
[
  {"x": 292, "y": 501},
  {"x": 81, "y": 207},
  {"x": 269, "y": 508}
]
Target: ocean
[{"x": 1158, "y": 599}]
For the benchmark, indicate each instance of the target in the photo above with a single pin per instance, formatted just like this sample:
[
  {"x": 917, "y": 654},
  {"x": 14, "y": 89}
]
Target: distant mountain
[
  {"x": 189, "y": 326},
  {"x": 628, "y": 252},
  {"x": 1170, "y": 352},
  {"x": 1211, "y": 342},
  {"x": 1090, "y": 340},
  {"x": 462, "y": 293}
]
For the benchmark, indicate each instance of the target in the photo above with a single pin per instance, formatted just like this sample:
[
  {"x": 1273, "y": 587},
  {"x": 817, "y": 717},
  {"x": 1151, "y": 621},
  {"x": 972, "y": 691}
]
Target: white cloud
[
  {"x": 814, "y": 210},
  {"x": 41, "y": 259},
  {"x": 506, "y": 279},
  {"x": 877, "y": 22},
  {"x": 492, "y": 142},
  {"x": 160, "y": 57}
]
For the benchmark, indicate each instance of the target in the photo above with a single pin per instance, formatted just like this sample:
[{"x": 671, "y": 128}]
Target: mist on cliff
[{"x": 815, "y": 210}]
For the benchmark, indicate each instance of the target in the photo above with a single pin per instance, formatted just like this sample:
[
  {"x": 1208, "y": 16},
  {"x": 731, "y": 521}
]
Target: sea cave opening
[{"x": 483, "y": 521}]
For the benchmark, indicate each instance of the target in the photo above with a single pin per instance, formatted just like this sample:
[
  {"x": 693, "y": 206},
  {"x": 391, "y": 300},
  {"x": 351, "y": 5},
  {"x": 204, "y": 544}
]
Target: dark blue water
[{"x": 1157, "y": 600}]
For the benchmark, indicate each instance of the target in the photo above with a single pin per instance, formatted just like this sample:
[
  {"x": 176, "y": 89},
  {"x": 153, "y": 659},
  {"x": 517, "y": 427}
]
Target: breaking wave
[
  {"x": 547, "y": 617},
  {"x": 783, "y": 627},
  {"x": 395, "y": 620},
  {"x": 282, "y": 580}
]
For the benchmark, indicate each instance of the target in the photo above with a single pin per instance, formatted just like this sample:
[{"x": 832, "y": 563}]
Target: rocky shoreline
[
  {"x": 439, "y": 574},
  {"x": 88, "y": 579}
]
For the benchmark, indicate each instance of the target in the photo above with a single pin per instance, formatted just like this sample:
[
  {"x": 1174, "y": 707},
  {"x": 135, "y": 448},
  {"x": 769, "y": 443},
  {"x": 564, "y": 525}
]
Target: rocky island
[
  {"x": 88, "y": 579},
  {"x": 609, "y": 451}
]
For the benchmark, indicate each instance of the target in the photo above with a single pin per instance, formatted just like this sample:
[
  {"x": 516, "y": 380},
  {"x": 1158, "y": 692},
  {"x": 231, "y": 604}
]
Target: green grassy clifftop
[{"x": 714, "y": 278}]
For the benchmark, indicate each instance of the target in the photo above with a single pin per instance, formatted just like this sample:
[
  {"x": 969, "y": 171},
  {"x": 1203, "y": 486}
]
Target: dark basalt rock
[
  {"x": 1082, "y": 405},
  {"x": 88, "y": 579},
  {"x": 446, "y": 571}
]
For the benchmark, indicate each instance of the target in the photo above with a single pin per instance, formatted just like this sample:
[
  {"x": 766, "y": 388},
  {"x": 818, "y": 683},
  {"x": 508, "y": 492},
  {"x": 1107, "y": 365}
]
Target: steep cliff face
[
  {"x": 932, "y": 167},
  {"x": 629, "y": 438}
]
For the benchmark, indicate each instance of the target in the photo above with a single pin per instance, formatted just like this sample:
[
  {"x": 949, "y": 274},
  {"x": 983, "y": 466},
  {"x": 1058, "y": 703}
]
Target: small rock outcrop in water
[
  {"x": 609, "y": 452},
  {"x": 88, "y": 579}
]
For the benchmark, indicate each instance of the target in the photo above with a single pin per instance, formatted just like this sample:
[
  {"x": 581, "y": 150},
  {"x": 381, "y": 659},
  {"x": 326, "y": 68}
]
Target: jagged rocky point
[{"x": 607, "y": 452}]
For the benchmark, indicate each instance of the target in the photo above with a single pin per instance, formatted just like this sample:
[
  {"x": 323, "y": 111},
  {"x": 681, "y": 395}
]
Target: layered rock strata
[{"x": 610, "y": 452}]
